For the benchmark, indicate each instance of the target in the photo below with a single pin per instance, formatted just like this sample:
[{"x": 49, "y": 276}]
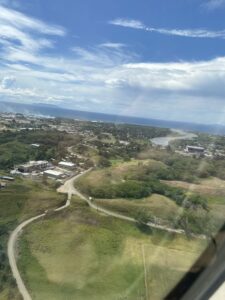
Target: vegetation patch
[
  {"x": 19, "y": 201},
  {"x": 152, "y": 204},
  {"x": 137, "y": 180},
  {"x": 102, "y": 259},
  {"x": 15, "y": 147}
]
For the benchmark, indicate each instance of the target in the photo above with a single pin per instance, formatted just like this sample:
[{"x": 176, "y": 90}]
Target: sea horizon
[{"x": 56, "y": 111}]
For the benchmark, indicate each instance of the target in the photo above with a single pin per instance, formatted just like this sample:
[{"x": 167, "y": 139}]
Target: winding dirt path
[
  {"x": 69, "y": 189},
  {"x": 12, "y": 256},
  {"x": 66, "y": 188}
]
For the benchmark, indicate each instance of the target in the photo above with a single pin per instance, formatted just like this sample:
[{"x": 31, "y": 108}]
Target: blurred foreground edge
[{"x": 206, "y": 275}]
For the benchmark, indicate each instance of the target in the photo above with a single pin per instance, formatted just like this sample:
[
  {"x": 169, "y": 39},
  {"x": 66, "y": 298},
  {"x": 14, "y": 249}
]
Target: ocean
[{"x": 55, "y": 111}]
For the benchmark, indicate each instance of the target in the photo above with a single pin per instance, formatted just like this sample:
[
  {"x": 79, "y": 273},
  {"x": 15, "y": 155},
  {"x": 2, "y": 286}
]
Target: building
[
  {"x": 195, "y": 149},
  {"x": 35, "y": 145},
  {"x": 2, "y": 185},
  {"x": 31, "y": 166},
  {"x": 125, "y": 143},
  {"x": 7, "y": 178},
  {"x": 67, "y": 165},
  {"x": 53, "y": 174}
]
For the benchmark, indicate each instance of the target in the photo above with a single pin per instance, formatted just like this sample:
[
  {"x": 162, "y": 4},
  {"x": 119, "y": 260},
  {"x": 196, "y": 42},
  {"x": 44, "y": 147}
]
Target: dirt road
[
  {"x": 12, "y": 256},
  {"x": 70, "y": 189},
  {"x": 67, "y": 189}
]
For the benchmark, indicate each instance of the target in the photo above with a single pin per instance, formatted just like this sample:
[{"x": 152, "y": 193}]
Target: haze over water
[{"x": 164, "y": 141}]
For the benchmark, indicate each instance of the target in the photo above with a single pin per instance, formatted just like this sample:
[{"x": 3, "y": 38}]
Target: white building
[
  {"x": 195, "y": 149},
  {"x": 53, "y": 174},
  {"x": 66, "y": 164},
  {"x": 35, "y": 145},
  {"x": 125, "y": 143},
  {"x": 33, "y": 166}
]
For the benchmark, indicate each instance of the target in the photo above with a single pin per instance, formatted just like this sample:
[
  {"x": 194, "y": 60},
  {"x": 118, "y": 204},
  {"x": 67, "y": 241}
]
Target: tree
[
  {"x": 143, "y": 217},
  {"x": 104, "y": 162},
  {"x": 132, "y": 189},
  {"x": 45, "y": 179}
]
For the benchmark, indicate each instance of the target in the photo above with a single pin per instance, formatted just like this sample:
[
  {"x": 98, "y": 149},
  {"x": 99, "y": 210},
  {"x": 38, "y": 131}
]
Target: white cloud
[
  {"x": 106, "y": 77},
  {"x": 24, "y": 40},
  {"x": 10, "y": 33},
  {"x": 10, "y": 3},
  {"x": 191, "y": 33},
  {"x": 176, "y": 90},
  {"x": 8, "y": 82},
  {"x": 21, "y": 21},
  {"x": 108, "y": 54},
  {"x": 128, "y": 23},
  {"x": 213, "y": 4},
  {"x": 20, "y": 33},
  {"x": 112, "y": 45}
]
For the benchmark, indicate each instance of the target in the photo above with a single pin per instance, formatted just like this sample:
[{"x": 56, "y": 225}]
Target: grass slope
[
  {"x": 82, "y": 255},
  {"x": 214, "y": 190},
  {"x": 157, "y": 205},
  {"x": 19, "y": 201},
  {"x": 116, "y": 173}
]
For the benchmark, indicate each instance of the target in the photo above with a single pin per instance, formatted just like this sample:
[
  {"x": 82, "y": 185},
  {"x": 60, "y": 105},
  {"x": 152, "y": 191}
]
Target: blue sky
[{"x": 152, "y": 58}]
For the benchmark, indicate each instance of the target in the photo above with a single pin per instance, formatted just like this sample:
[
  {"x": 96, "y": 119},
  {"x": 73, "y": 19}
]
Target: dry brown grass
[
  {"x": 157, "y": 205},
  {"x": 209, "y": 187},
  {"x": 70, "y": 258},
  {"x": 117, "y": 172}
]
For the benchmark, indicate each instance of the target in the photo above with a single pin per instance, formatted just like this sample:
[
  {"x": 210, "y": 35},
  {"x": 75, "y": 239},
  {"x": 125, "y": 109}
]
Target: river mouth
[{"x": 180, "y": 135}]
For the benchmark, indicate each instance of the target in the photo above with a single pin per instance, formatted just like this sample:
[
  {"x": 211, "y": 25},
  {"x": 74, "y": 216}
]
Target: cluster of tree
[
  {"x": 205, "y": 167},
  {"x": 117, "y": 150},
  {"x": 180, "y": 196},
  {"x": 129, "y": 189},
  {"x": 126, "y": 131},
  {"x": 208, "y": 141},
  {"x": 15, "y": 146},
  {"x": 134, "y": 189},
  {"x": 184, "y": 168},
  {"x": 197, "y": 222},
  {"x": 191, "y": 169}
]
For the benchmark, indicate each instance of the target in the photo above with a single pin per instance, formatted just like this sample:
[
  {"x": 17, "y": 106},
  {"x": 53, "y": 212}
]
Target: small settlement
[{"x": 62, "y": 170}]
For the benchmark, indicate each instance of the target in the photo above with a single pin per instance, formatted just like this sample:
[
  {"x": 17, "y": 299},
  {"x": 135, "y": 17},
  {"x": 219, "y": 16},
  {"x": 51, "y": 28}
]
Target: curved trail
[
  {"x": 14, "y": 236},
  {"x": 69, "y": 189},
  {"x": 12, "y": 258}
]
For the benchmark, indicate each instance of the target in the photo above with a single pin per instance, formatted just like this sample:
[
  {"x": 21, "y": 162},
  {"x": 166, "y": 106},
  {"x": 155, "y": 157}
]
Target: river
[{"x": 180, "y": 135}]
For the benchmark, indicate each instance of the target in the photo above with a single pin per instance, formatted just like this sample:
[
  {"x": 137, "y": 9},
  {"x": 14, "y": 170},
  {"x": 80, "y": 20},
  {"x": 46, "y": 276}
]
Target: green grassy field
[
  {"x": 214, "y": 190},
  {"x": 161, "y": 208},
  {"x": 116, "y": 173},
  {"x": 108, "y": 138},
  {"x": 157, "y": 205},
  {"x": 19, "y": 201},
  {"x": 212, "y": 186},
  {"x": 79, "y": 254}
]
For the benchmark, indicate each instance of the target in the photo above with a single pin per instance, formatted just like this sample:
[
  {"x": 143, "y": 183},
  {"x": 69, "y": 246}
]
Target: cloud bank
[
  {"x": 213, "y": 4},
  {"x": 190, "y": 33},
  {"x": 106, "y": 77}
]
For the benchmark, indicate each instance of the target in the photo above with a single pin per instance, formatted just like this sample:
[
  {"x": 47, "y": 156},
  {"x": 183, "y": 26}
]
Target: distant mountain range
[{"x": 55, "y": 111}]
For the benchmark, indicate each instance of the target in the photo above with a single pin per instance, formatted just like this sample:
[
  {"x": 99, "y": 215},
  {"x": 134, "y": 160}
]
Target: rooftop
[
  {"x": 66, "y": 164},
  {"x": 195, "y": 147},
  {"x": 53, "y": 172}
]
